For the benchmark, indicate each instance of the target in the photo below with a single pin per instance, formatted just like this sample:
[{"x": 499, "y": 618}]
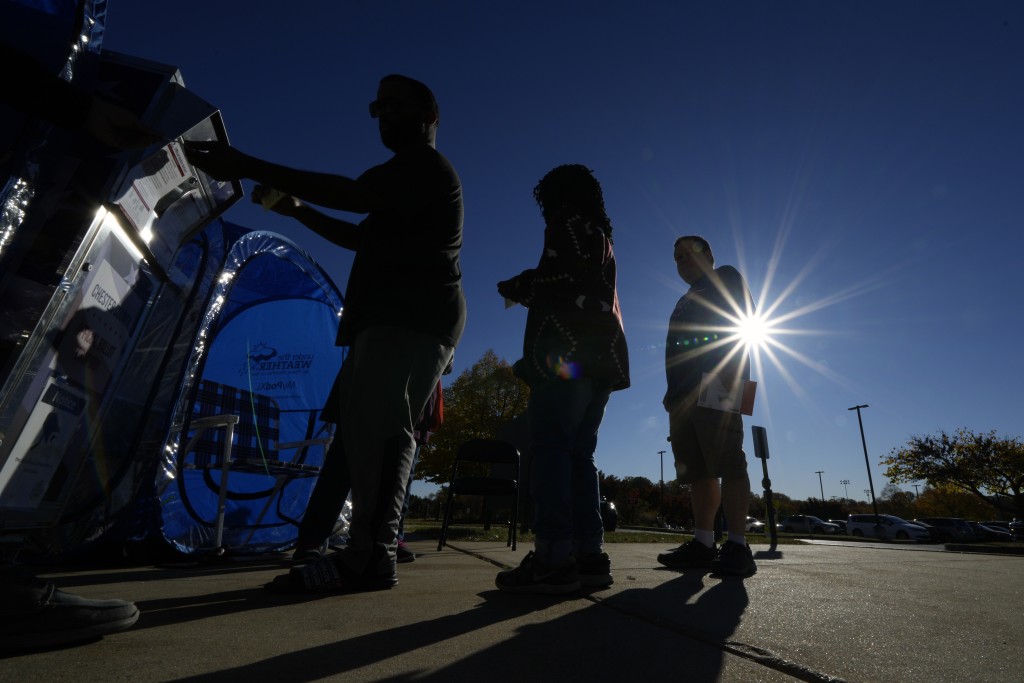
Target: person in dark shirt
[
  {"x": 404, "y": 312},
  {"x": 574, "y": 356},
  {"x": 708, "y": 443}
]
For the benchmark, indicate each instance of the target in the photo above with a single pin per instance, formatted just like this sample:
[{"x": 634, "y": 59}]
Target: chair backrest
[
  {"x": 488, "y": 450},
  {"x": 257, "y": 431}
]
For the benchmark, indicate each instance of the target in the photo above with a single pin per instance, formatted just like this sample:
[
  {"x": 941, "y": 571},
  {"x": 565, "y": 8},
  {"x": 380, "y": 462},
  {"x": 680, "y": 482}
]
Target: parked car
[
  {"x": 755, "y": 525},
  {"x": 807, "y": 524},
  {"x": 887, "y": 527},
  {"x": 950, "y": 528},
  {"x": 1017, "y": 529},
  {"x": 841, "y": 523},
  {"x": 935, "y": 536},
  {"x": 609, "y": 515},
  {"x": 990, "y": 533},
  {"x": 997, "y": 524}
]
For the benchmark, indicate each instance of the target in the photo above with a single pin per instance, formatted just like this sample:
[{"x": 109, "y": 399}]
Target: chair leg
[
  {"x": 444, "y": 524},
  {"x": 222, "y": 496}
]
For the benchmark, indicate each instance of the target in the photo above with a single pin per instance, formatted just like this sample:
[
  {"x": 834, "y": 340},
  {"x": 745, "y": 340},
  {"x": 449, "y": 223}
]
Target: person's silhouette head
[
  {"x": 572, "y": 189},
  {"x": 406, "y": 111},
  {"x": 693, "y": 258}
]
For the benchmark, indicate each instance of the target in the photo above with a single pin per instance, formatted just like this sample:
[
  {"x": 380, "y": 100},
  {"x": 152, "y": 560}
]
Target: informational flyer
[{"x": 715, "y": 395}]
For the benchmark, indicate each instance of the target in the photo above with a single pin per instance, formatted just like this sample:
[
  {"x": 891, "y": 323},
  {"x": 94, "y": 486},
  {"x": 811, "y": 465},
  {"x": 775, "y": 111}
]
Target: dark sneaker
[
  {"x": 692, "y": 555},
  {"x": 533, "y": 577},
  {"x": 594, "y": 569},
  {"x": 404, "y": 554},
  {"x": 330, "y": 574},
  {"x": 734, "y": 559},
  {"x": 35, "y": 614}
]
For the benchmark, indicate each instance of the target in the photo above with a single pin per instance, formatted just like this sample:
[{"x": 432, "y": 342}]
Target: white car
[
  {"x": 755, "y": 525},
  {"x": 888, "y": 527},
  {"x": 807, "y": 524}
]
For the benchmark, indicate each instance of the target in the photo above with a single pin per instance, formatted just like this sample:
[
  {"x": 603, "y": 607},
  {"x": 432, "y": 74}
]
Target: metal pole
[
  {"x": 760, "y": 435},
  {"x": 819, "y": 473},
  {"x": 917, "y": 490},
  {"x": 846, "y": 484},
  {"x": 864, "y": 443},
  {"x": 661, "y": 502}
]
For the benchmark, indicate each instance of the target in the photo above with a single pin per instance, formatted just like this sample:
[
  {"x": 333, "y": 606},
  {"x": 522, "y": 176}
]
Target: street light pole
[
  {"x": 661, "y": 502},
  {"x": 917, "y": 491},
  {"x": 822, "y": 486},
  {"x": 864, "y": 443},
  {"x": 846, "y": 483}
]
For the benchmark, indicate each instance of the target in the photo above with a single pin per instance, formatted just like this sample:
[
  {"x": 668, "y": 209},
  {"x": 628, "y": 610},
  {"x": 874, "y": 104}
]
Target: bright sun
[{"x": 754, "y": 330}]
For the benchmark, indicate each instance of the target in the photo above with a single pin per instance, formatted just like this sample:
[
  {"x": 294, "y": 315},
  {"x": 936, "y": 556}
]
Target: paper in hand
[{"x": 715, "y": 396}]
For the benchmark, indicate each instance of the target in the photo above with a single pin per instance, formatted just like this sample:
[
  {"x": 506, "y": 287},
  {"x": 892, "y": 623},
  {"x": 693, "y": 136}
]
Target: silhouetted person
[
  {"x": 574, "y": 356},
  {"x": 334, "y": 484},
  {"x": 404, "y": 312},
  {"x": 33, "y": 612},
  {"x": 708, "y": 443}
]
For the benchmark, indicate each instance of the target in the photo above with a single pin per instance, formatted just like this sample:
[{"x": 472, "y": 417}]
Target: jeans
[
  {"x": 382, "y": 388},
  {"x": 564, "y": 418}
]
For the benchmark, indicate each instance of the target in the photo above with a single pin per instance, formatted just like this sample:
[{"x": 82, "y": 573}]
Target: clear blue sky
[{"x": 862, "y": 163}]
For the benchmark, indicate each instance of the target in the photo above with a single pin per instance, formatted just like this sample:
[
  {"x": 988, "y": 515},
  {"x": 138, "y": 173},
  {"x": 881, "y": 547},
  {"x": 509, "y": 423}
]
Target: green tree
[
  {"x": 946, "y": 500},
  {"x": 478, "y": 404},
  {"x": 895, "y": 501},
  {"x": 980, "y": 464}
]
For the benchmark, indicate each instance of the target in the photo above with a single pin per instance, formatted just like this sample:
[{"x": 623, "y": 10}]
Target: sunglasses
[{"x": 387, "y": 107}]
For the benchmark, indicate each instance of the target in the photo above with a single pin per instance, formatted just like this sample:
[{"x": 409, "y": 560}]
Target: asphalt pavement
[{"x": 813, "y": 612}]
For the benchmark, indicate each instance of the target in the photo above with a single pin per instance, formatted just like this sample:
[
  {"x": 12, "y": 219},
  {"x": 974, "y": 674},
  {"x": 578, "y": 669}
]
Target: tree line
[{"x": 967, "y": 474}]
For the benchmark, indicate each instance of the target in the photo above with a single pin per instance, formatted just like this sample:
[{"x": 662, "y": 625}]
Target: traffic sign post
[{"x": 761, "y": 452}]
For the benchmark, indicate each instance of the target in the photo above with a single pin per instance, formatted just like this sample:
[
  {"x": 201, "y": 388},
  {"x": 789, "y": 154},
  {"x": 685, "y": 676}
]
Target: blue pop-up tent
[
  {"x": 255, "y": 312},
  {"x": 268, "y": 331}
]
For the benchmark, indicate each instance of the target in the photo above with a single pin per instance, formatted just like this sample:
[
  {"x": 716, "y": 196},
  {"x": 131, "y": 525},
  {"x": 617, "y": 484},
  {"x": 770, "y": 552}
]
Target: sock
[
  {"x": 737, "y": 538},
  {"x": 704, "y": 536}
]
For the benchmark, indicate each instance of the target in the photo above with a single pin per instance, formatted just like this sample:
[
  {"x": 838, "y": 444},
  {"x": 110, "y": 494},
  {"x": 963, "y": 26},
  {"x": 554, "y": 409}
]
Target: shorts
[{"x": 707, "y": 444}]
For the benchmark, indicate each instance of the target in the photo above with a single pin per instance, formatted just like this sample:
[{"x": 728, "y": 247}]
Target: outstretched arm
[
  {"x": 224, "y": 162},
  {"x": 340, "y": 232},
  {"x": 573, "y": 254}
]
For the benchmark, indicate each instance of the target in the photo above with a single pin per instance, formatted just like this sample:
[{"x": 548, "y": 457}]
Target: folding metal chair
[
  {"x": 503, "y": 479},
  {"x": 235, "y": 430}
]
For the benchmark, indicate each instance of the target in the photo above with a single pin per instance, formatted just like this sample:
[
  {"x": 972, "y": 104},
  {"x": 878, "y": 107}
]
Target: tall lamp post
[
  {"x": 820, "y": 485},
  {"x": 846, "y": 483},
  {"x": 867, "y": 462}
]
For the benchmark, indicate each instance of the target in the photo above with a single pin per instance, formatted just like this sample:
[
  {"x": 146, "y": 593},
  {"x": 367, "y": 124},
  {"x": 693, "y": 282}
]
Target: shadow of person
[{"x": 679, "y": 627}]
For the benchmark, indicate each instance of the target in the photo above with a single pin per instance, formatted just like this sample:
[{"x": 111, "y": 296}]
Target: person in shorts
[{"x": 708, "y": 443}]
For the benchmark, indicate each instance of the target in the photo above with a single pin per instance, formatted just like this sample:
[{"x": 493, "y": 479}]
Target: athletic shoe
[
  {"x": 594, "y": 569},
  {"x": 330, "y": 574},
  {"x": 734, "y": 559},
  {"x": 692, "y": 555},
  {"x": 404, "y": 554},
  {"x": 532, "y": 576},
  {"x": 36, "y": 614}
]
